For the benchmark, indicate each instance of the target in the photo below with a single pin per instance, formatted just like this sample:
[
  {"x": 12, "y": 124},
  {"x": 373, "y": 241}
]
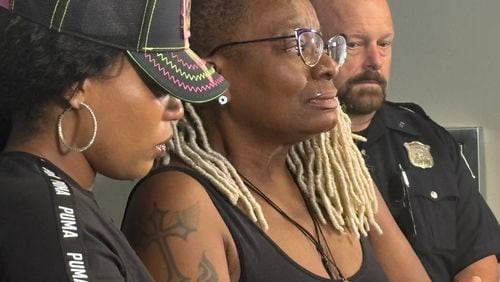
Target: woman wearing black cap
[
  {"x": 84, "y": 89},
  {"x": 261, "y": 188}
]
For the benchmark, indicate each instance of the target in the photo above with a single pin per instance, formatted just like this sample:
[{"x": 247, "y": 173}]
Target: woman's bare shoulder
[{"x": 174, "y": 226}]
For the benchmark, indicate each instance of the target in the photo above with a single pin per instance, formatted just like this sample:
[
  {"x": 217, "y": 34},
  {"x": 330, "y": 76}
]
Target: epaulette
[{"x": 410, "y": 107}]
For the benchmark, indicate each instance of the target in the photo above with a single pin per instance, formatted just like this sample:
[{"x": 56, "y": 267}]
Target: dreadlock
[{"x": 328, "y": 168}]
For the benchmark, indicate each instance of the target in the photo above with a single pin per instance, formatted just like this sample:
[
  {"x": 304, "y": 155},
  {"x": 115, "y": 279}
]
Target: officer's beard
[{"x": 360, "y": 99}]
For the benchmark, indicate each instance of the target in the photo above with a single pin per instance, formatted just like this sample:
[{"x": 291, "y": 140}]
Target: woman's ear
[
  {"x": 215, "y": 62},
  {"x": 218, "y": 63},
  {"x": 76, "y": 94}
]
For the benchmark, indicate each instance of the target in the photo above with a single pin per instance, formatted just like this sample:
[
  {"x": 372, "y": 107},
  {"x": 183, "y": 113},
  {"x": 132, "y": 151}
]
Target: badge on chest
[{"x": 419, "y": 154}]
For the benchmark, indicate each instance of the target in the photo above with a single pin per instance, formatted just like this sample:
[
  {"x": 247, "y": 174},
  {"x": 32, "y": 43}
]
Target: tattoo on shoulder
[
  {"x": 207, "y": 271},
  {"x": 164, "y": 224}
]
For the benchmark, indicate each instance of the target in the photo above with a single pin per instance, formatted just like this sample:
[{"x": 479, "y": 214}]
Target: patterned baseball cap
[{"x": 154, "y": 34}]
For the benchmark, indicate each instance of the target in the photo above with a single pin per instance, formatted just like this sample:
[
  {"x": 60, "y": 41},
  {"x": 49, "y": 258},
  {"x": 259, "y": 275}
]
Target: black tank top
[{"x": 261, "y": 260}]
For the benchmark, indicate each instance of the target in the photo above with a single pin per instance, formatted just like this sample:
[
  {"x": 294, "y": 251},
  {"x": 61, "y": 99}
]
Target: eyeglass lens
[
  {"x": 337, "y": 47},
  {"x": 310, "y": 47}
]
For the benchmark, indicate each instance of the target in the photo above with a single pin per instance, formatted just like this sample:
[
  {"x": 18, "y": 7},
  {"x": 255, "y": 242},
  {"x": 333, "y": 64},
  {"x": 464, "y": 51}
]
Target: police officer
[{"x": 415, "y": 162}]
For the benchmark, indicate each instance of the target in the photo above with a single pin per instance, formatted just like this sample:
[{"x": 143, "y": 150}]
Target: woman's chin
[
  {"x": 317, "y": 129},
  {"x": 327, "y": 124}
]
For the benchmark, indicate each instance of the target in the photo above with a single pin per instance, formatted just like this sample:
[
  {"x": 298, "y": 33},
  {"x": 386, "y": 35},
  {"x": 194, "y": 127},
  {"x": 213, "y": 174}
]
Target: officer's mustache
[{"x": 368, "y": 76}]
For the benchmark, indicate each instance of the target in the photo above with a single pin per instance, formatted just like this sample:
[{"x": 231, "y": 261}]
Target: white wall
[
  {"x": 112, "y": 196},
  {"x": 447, "y": 59}
]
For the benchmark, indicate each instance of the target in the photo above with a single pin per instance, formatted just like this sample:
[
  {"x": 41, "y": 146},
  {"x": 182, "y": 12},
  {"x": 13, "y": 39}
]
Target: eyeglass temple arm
[{"x": 247, "y": 42}]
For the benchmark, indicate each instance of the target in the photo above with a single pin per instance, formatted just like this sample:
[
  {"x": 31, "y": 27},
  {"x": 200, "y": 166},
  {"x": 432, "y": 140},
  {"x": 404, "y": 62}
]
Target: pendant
[{"x": 332, "y": 270}]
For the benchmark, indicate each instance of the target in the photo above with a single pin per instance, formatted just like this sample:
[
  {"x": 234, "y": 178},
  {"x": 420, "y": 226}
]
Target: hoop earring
[
  {"x": 223, "y": 99},
  {"x": 60, "y": 130}
]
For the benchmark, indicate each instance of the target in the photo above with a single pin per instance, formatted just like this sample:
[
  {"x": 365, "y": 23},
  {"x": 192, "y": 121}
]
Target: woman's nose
[
  {"x": 174, "y": 109},
  {"x": 326, "y": 68}
]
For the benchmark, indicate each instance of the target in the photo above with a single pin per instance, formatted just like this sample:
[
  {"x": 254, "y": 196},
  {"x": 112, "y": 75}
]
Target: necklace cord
[{"x": 328, "y": 261}]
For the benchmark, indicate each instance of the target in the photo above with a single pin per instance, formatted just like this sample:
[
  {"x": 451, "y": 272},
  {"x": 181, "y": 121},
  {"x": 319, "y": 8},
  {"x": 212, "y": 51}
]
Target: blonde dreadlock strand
[{"x": 328, "y": 169}]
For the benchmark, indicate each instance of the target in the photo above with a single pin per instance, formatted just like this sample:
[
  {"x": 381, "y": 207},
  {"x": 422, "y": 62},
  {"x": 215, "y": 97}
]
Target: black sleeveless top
[{"x": 260, "y": 258}]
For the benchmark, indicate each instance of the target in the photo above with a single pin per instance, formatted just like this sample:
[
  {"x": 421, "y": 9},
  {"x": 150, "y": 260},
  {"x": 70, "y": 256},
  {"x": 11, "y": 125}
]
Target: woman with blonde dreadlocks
[{"x": 256, "y": 190}]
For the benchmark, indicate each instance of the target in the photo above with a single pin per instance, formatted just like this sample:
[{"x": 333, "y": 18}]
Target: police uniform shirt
[
  {"x": 454, "y": 226},
  {"x": 34, "y": 226}
]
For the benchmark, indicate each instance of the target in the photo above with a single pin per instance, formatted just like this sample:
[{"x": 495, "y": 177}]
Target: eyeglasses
[
  {"x": 337, "y": 48},
  {"x": 399, "y": 194},
  {"x": 309, "y": 46}
]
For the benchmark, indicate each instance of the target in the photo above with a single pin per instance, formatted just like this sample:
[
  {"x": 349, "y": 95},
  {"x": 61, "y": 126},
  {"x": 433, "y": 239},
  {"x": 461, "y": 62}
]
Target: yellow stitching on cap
[
  {"x": 64, "y": 15},
  {"x": 54, "y": 13},
  {"x": 152, "y": 49},
  {"x": 208, "y": 72},
  {"x": 142, "y": 25},
  {"x": 177, "y": 69},
  {"x": 149, "y": 25}
]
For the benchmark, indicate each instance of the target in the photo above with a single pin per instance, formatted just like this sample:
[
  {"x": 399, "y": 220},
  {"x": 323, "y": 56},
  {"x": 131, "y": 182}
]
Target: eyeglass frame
[
  {"x": 297, "y": 33},
  {"x": 405, "y": 203}
]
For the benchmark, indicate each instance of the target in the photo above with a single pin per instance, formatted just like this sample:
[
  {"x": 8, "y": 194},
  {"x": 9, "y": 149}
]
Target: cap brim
[{"x": 182, "y": 73}]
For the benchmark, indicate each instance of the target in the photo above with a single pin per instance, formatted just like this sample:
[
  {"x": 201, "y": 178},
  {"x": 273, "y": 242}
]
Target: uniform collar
[{"x": 391, "y": 117}]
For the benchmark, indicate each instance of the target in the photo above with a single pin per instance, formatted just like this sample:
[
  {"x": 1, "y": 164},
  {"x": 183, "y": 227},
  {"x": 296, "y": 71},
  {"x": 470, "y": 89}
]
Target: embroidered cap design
[{"x": 154, "y": 33}]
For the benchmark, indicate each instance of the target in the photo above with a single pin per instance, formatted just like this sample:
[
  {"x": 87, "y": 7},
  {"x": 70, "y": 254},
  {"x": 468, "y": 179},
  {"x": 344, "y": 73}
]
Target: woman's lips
[
  {"x": 324, "y": 100},
  {"x": 161, "y": 148}
]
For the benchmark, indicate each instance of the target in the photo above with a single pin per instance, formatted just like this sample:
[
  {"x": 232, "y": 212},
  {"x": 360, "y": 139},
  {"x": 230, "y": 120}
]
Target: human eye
[
  {"x": 291, "y": 45},
  {"x": 352, "y": 45},
  {"x": 291, "y": 48},
  {"x": 385, "y": 43}
]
